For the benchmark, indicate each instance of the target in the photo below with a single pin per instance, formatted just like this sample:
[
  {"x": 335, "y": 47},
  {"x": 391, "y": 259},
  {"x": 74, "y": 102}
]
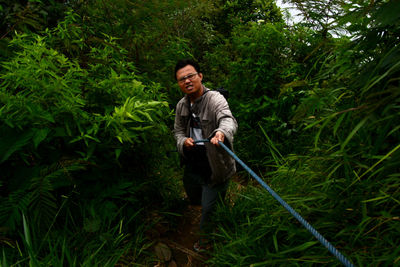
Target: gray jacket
[{"x": 215, "y": 115}]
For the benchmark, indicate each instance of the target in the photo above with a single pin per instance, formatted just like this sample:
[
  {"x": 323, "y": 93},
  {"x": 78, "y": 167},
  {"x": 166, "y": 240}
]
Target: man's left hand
[{"x": 219, "y": 136}]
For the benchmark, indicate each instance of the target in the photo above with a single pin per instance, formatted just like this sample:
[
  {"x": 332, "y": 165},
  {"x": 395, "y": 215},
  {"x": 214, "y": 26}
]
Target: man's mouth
[{"x": 189, "y": 87}]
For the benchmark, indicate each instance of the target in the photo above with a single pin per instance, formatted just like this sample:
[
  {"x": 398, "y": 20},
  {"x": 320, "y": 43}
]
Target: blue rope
[{"x": 308, "y": 226}]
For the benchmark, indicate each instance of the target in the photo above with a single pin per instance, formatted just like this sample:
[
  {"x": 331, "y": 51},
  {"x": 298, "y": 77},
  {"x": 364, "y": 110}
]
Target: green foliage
[
  {"x": 155, "y": 33},
  {"x": 98, "y": 246},
  {"x": 321, "y": 16},
  {"x": 229, "y": 14},
  {"x": 72, "y": 127},
  {"x": 364, "y": 114},
  {"x": 346, "y": 178},
  {"x": 85, "y": 88},
  {"x": 26, "y": 16},
  {"x": 257, "y": 230},
  {"x": 256, "y": 62},
  {"x": 39, "y": 85},
  {"x": 21, "y": 16}
]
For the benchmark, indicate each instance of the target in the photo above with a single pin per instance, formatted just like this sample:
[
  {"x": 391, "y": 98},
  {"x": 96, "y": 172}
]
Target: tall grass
[
  {"x": 77, "y": 247},
  {"x": 345, "y": 182},
  {"x": 257, "y": 231}
]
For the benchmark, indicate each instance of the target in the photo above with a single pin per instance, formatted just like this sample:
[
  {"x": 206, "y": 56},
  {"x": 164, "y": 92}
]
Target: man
[{"x": 202, "y": 114}]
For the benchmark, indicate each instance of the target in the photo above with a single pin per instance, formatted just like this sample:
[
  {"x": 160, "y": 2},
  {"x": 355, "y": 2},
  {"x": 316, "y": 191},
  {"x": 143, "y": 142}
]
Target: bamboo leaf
[
  {"x": 338, "y": 122},
  {"x": 375, "y": 199},
  {"x": 134, "y": 117},
  {"x": 314, "y": 123},
  {"x": 353, "y": 132},
  {"x": 11, "y": 144},
  {"x": 378, "y": 79},
  {"x": 270, "y": 141},
  {"x": 275, "y": 242},
  {"x": 27, "y": 236},
  {"x": 395, "y": 129},
  {"x": 301, "y": 247},
  {"x": 118, "y": 152},
  {"x": 40, "y": 135},
  {"x": 320, "y": 130},
  {"x": 379, "y": 161},
  {"x": 146, "y": 114},
  {"x": 4, "y": 261}
]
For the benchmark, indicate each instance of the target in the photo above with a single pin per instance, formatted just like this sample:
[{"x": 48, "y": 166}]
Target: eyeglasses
[{"x": 189, "y": 76}]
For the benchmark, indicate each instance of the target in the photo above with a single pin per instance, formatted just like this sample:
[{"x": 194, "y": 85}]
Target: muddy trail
[{"x": 175, "y": 246}]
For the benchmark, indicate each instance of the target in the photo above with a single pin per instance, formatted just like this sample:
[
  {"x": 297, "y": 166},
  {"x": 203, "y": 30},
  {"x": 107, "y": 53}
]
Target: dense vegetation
[{"x": 86, "y": 108}]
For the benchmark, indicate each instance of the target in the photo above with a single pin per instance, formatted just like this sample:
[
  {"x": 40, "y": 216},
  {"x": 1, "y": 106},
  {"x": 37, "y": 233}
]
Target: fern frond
[
  {"x": 43, "y": 200},
  {"x": 13, "y": 142},
  {"x": 43, "y": 203},
  {"x": 12, "y": 207}
]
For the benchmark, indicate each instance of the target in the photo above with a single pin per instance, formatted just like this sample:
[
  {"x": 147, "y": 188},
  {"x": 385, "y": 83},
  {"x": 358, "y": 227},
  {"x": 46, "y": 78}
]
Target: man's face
[{"x": 190, "y": 81}]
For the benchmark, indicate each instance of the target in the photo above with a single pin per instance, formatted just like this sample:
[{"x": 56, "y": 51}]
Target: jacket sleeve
[
  {"x": 226, "y": 123},
  {"x": 180, "y": 130}
]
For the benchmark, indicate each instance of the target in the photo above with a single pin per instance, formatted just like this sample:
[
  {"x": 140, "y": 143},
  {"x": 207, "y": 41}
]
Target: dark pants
[{"x": 196, "y": 179}]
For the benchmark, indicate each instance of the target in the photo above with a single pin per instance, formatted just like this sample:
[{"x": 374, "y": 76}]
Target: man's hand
[
  {"x": 219, "y": 136},
  {"x": 189, "y": 143}
]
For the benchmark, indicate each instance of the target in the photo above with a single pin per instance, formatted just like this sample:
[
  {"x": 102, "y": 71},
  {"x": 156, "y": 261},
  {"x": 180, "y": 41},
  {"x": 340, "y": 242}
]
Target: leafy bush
[
  {"x": 254, "y": 65},
  {"x": 73, "y": 157},
  {"x": 345, "y": 181}
]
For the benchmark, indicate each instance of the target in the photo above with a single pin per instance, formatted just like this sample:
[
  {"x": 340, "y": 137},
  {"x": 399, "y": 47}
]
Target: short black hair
[{"x": 184, "y": 62}]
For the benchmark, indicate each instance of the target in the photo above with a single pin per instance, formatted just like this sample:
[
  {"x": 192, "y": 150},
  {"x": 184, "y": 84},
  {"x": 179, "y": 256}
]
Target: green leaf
[
  {"x": 4, "y": 261},
  {"x": 118, "y": 152},
  {"x": 147, "y": 115},
  {"x": 320, "y": 130},
  {"x": 337, "y": 124},
  {"x": 141, "y": 128},
  {"x": 48, "y": 117},
  {"x": 275, "y": 242},
  {"x": 379, "y": 78},
  {"x": 379, "y": 161},
  {"x": 134, "y": 117},
  {"x": 40, "y": 135},
  {"x": 353, "y": 132},
  {"x": 120, "y": 139},
  {"x": 12, "y": 142}
]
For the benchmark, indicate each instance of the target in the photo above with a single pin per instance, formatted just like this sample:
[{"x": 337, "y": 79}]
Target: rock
[
  {"x": 163, "y": 252},
  {"x": 172, "y": 264}
]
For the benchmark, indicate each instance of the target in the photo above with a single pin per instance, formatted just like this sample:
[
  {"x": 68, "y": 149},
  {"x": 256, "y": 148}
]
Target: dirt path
[
  {"x": 175, "y": 246},
  {"x": 180, "y": 242}
]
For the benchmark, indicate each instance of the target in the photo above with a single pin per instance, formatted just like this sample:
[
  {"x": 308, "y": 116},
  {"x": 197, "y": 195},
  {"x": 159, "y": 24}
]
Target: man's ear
[{"x": 201, "y": 75}]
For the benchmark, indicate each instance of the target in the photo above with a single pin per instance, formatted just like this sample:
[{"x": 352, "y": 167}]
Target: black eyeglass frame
[{"x": 189, "y": 76}]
